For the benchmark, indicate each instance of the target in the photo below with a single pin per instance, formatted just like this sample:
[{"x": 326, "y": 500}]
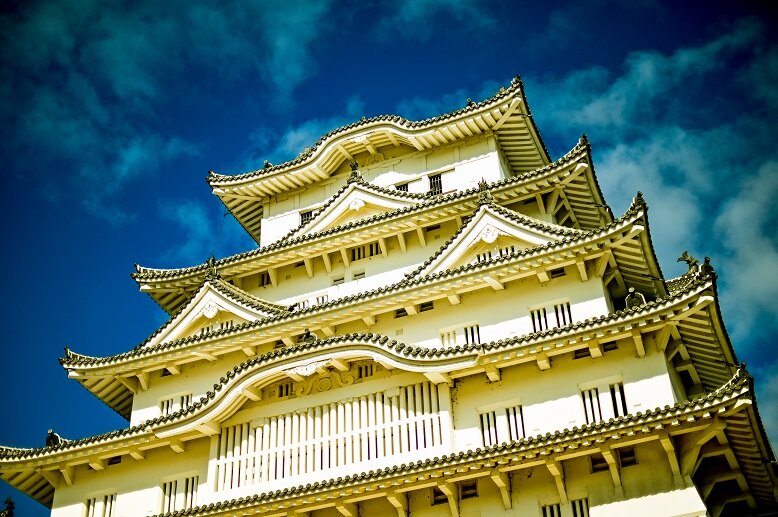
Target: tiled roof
[
  {"x": 634, "y": 213},
  {"x": 581, "y": 150},
  {"x": 740, "y": 387},
  {"x": 515, "y": 89},
  {"x": 541, "y": 226}
]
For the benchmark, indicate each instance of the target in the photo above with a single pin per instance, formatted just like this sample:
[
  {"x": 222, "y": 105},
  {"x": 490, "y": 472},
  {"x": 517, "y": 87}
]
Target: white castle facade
[{"x": 438, "y": 320}]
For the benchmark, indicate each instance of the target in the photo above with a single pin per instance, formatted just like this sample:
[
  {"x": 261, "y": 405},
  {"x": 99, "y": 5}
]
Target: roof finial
[
  {"x": 634, "y": 299},
  {"x": 309, "y": 337},
  {"x": 584, "y": 140},
  {"x": 691, "y": 261},
  {"x": 516, "y": 80},
  {"x": 484, "y": 196},
  {"x": 470, "y": 102},
  {"x": 53, "y": 439},
  {"x": 707, "y": 269},
  {"x": 212, "y": 273},
  {"x": 355, "y": 175},
  {"x": 267, "y": 165},
  {"x": 639, "y": 201}
]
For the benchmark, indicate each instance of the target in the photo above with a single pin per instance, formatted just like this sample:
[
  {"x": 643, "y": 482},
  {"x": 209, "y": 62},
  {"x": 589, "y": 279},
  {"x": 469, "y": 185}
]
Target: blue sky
[{"x": 113, "y": 112}]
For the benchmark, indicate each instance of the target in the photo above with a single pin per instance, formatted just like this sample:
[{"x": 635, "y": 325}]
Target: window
[
  {"x": 185, "y": 400},
  {"x": 563, "y": 314},
  {"x": 448, "y": 338},
  {"x": 551, "y": 510},
  {"x": 402, "y": 187},
  {"x": 400, "y": 313},
  {"x": 285, "y": 389},
  {"x": 610, "y": 347},
  {"x": 339, "y": 280},
  {"x": 468, "y": 489},
  {"x": 515, "y": 422},
  {"x": 166, "y": 406},
  {"x": 486, "y": 256},
  {"x": 179, "y": 494},
  {"x": 556, "y": 273},
  {"x": 489, "y": 428},
  {"x": 580, "y": 507},
  {"x": 358, "y": 276},
  {"x": 598, "y": 463},
  {"x": 264, "y": 279},
  {"x": 507, "y": 250},
  {"x": 302, "y": 304},
  {"x": 472, "y": 334},
  {"x": 426, "y": 306},
  {"x": 432, "y": 228},
  {"x": 364, "y": 251},
  {"x": 436, "y": 184},
  {"x": 364, "y": 371},
  {"x": 279, "y": 344},
  {"x": 581, "y": 353},
  {"x": 306, "y": 216},
  {"x": 438, "y": 497},
  {"x": 627, "y": 457},
  {"x": 101, "y": 506},
  {"x": 539, "y": 320},
  {"x": 618, "y": 399},
  {"x": 322, "y": 299},
  {"x": 591, "y": 404}
]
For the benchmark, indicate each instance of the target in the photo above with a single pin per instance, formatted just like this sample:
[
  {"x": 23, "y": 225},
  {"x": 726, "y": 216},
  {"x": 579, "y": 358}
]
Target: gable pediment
[
  {"x": 357, "y": 201},
  {"x": 493, "y": 232},
  {"x": 213, "y": 307}
]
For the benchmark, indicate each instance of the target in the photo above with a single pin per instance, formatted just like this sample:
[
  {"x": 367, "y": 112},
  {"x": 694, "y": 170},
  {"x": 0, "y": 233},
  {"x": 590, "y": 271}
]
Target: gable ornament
[{"x": 489, "y": 235}]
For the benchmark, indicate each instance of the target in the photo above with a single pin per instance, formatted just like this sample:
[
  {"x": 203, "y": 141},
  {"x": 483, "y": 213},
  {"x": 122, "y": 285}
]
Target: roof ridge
[
  {"x": 516, "y": 87},
  {"x": 575, "y": 153},
  {"x": 493, "y": 344}
]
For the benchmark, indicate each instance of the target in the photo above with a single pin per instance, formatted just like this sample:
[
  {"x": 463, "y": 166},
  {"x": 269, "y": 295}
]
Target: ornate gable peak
[
  {"x": 492, "y": 229},
  {"x": 356, "y": 200},
  {"x": 215, "y": 304}
]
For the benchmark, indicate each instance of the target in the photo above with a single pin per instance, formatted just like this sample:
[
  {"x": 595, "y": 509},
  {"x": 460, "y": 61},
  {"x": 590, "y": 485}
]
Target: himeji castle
[{"x": 437, "y": 320}]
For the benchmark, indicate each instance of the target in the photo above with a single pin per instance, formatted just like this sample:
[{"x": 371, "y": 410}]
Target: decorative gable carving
[
  {"x": 357, "y": 201},
  {"x": 210, "y": 309},
  {"x": 493, "y": 232}
]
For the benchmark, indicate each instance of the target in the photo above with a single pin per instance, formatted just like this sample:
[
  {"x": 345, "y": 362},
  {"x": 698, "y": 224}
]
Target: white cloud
[
  {"x": 86, "y": 82},
  {"x": 415, "y": 19}
]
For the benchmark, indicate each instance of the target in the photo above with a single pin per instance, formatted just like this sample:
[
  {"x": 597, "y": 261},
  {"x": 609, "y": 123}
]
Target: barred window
[
  {"x": 306, "y": 216},
  {"x": 179, "y": 494},
  {"x": 563, "y": 314},
  {"x": 591, "y": 404},
  {"x": 436, "y": 184},
  {"x": 580, "y": 507},
  {"x": 551, "y": 510},
  {"x": 539, "y": 320},
  {"x": 618, "y": 399},
  {"x": 472, "y": 334},
  {"x": 402, "y": 187},
  {"x": 101, "y": 506}
]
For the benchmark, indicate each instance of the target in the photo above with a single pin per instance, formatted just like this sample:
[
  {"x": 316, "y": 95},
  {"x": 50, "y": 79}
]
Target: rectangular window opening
[
  {"x": 402, "y": 187},
  {"x": 580, "y": 507},
  {"x": 563, "y": 315},
  {"x": 264, "y": 279},
  {"x": 556, "y": 273},
  {"x": 627, "y": 457},
  {"x": 468, "y": 489},
  {"x": 306, "y": 216},
  {"x": 598, "y": 463},
  {"x": 322, "y": 299},
  {"x": 472, "y": 334},
  {"x": 515, "y": 423},
  {"x": 432, "y": 228},
  {"x": 591, "y": 404},
  {"x": 426, "y": 306},
  {"x": 400, "y": 313},
  {"x": 438, "y": 497},
  {"x": 364, "y": 371},
  {"x": 618, "y": 399},
  {"x": 285, "y": 389},
  {"x": 339, "y": 280},
  {"x": 436, "y": 184},
  {"x": 539, "y": 320},
  {"x": 448, "y": 338},
  {"x": 489, "y": 428},
  {"x": 581, "y": 353},
  {"x": 551, "y": 510},
  {"x": 358, "y": 276}
]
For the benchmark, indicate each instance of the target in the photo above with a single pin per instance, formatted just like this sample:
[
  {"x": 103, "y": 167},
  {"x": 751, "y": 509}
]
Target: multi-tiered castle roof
[{"x": 440, "y": 222}]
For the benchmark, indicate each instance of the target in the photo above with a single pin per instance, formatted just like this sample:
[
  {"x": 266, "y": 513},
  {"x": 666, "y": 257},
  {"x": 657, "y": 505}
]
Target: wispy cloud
[
  {"x": 204, "y": 230},
  {"x": 413, "y": 19},
  {"x": 278, "y": 148},
  {"x": 84, "y": 84}
]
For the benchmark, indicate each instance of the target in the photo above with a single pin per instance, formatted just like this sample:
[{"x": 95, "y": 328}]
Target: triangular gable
[
  {"x": 215, "y": 306},
  {"x": 493, "y": 231},
  {"x": 357, "y": 201}
]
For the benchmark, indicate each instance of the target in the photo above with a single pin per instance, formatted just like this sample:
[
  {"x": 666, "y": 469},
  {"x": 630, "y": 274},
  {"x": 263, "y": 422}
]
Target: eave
[
  {"x": 593, "y": 247},
  {"x": 566, "y": 185},
  {"x": 38, "y": 471},
  {"x": 505, "y": 115}
]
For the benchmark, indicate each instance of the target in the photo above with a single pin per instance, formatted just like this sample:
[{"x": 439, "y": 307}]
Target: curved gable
[{"x": 491, "y": 232}]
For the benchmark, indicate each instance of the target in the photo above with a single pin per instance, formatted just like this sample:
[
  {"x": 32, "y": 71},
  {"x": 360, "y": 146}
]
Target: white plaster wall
[
  {"x": 461, "y": 167},
  {"x": 138, "y": 483}
]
